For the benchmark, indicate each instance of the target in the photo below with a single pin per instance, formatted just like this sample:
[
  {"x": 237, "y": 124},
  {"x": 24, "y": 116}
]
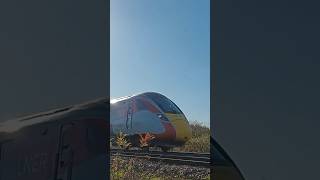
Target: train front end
[
  {"x": 181, "y": 126},
  {"x": 177, "y": 129}
]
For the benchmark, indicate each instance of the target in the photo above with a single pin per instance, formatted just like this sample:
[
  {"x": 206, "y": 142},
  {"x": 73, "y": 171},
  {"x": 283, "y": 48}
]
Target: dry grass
[{"x": 122, "y": 142}]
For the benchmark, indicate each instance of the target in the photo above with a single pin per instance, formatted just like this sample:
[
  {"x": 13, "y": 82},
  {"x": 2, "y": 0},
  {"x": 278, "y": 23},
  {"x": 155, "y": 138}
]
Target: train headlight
[{"x": 162, "y": 117}]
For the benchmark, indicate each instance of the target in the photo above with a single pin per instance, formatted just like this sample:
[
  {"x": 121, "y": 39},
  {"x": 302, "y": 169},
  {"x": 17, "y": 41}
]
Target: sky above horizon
[{"x": 162, "y": 46}]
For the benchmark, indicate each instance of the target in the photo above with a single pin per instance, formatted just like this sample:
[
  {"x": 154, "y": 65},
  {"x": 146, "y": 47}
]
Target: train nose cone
[{"x": 181, "y": 125}]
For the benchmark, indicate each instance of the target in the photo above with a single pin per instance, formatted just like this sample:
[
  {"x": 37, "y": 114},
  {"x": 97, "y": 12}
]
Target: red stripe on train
[
  {"x": 169, "y": 133},
  {"x": 150, "y": 107}
]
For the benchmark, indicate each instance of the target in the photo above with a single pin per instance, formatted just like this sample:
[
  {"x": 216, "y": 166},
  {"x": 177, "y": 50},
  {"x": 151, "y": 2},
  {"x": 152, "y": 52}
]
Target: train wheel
[{"x": 165, "y": 149}]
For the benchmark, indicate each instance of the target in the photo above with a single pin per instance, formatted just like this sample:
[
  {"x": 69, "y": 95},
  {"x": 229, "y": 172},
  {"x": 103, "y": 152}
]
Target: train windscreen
[{"x": 164, "y": 103}]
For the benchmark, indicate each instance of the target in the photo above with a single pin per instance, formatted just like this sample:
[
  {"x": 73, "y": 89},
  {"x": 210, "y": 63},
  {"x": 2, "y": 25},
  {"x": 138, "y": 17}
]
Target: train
[
  {"x": 71, "y": 142},
  {"x": 68, "y": 143},
  {"x": 152, "y": 113}
]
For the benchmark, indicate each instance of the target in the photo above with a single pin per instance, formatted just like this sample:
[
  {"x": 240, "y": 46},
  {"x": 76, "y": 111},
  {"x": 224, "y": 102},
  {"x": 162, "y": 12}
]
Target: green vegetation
[{"x": 200, "y": 141}]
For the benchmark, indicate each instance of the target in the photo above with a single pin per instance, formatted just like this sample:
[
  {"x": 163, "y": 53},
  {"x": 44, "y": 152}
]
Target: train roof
[
  {"x": 115, "y": 100},
  {"x": 17, "y": 123},
  {"x": 112, "y": 101}
]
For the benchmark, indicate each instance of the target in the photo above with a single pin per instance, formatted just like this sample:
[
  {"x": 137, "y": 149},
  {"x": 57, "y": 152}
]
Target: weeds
[
  {"x": 122, "y": 142},
  {"x": 124, "y": 169},
  {"x": 145, "y": 139}
]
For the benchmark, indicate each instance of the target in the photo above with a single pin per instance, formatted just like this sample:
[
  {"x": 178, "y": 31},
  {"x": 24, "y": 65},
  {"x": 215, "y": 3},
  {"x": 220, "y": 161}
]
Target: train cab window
[
  {"x": 164, "y": 103},
  {"x": 139, "y": 105}
]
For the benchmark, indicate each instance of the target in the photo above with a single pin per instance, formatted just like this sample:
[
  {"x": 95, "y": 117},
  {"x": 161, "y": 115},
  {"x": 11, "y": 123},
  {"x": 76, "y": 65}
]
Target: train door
[
  {"x": 65, "y": 153},
  {"x": 82, "y": 151},
  {"x": 29, "y": 153},
  {"x": 129, "y": 115}
]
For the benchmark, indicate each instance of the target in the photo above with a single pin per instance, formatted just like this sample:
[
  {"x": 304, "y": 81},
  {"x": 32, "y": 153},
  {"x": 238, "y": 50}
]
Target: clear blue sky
[{"x": 163, "y": 46}]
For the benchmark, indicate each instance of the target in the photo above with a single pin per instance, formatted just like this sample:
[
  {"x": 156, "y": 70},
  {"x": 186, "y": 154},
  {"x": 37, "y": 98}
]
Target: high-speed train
[{"x": 152, "y": 113}]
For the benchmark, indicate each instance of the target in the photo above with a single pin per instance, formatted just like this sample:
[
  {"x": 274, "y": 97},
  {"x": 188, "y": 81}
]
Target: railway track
[{"x": 180, "y": 158}]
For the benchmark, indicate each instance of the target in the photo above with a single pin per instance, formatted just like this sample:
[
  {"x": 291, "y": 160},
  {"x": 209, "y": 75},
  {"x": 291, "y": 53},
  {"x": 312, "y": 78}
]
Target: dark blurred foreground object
[
  {"x": 63, "y": 144},
  {"x": 223, "y": 166},
  {"x": 53, "y": 53}
]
